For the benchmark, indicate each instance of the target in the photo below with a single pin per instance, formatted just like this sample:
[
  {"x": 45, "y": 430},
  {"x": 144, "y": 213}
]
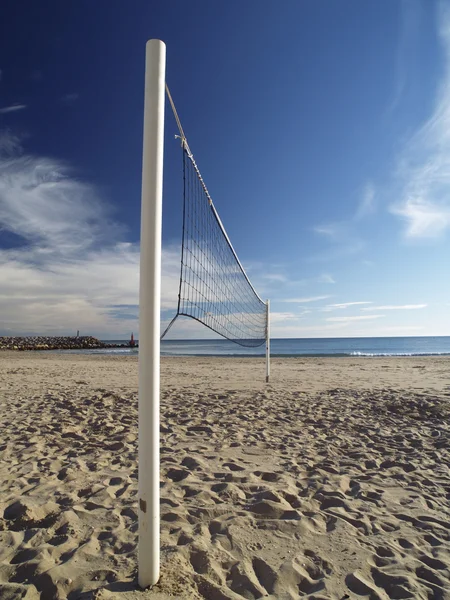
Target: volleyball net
[{"x": 214, "y": 288}]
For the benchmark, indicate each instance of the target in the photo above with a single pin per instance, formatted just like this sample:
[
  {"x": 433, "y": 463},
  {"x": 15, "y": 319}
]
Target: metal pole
[
  {"x": 149, "y": 314},
  {"x": 268, "y": 342}
]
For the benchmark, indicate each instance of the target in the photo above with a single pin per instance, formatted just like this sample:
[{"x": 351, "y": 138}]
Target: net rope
[{"x": 214, "y": 288}]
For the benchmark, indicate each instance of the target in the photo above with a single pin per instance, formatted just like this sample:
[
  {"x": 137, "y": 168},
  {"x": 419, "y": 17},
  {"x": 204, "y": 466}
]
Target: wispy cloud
[
  {"x": 70, "y": 98},
  {"x": 43, "y": 204},
  {"x": 344, "y": 329},
  {"x": 9, "y": 144},
  {"x": 275, "y": 277},
  {"x": 343, "y": 235},
  {"x": 278, "y": 317},
  {"x": 71, "y": 267},
  {"x": 424, "y": 172},
  {"x": 424, "y": 218},
  {"x": 334, "y": 231},
  {"x": 326, "y": 278},
  {"x": 345, "y": 305},
  {"x": 343, "y": 239},
  {"x": 399, "y": 307},
  {"x": 367, "y": 203},
  {"x": 12, "y": 108},
  {"x": 307, "y": 299},
  {"x": 410, "y": 19},
  {"x": 354, "y": 318},
  {"x": 271, "y": 279}
]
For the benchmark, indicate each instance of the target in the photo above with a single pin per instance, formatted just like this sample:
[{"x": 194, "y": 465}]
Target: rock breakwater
[{"x": 53, "y": 343}]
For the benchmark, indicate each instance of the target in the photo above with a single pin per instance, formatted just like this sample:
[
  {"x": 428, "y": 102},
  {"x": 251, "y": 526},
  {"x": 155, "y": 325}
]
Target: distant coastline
[{"x": 58, "y": 343}]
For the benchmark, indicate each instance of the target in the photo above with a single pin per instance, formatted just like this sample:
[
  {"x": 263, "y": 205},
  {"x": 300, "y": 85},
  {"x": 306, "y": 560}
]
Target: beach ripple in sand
[{"x": 265, "y": 493}]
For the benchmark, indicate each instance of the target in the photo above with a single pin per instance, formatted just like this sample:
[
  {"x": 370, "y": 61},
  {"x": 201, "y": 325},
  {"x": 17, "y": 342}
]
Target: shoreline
[{"x": 103, "y": 352}]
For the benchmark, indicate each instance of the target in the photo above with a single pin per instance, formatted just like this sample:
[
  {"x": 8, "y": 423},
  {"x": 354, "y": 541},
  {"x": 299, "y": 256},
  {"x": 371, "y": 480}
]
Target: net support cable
[{"x": 214, "y": 287}]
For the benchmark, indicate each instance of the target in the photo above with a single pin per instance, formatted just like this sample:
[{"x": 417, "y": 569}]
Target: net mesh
[{"x": 214, "y": 288}]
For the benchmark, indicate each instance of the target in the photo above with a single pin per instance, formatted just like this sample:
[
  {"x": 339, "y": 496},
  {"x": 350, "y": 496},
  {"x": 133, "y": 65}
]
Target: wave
[
  {"x": 399, "y": 354},
  {"x": 179, "y": 353},
  {"x": 305, "y": 355}
]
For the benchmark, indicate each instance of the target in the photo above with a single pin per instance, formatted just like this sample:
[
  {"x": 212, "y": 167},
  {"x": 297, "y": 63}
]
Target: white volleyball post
[
  {"x": 268, "y": 343},
  {"x": 149, "y": 314}
]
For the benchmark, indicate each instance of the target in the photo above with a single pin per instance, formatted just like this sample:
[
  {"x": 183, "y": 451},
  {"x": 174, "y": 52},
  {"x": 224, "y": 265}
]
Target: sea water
[{"x": 289, "y": 347}]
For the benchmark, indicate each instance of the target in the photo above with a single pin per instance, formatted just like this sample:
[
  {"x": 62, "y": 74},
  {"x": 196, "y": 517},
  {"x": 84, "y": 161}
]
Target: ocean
[{"x": 367, "y": 347}]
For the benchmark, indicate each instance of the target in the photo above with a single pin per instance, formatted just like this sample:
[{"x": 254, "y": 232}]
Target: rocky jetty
[{"x": 53, "y": 343}]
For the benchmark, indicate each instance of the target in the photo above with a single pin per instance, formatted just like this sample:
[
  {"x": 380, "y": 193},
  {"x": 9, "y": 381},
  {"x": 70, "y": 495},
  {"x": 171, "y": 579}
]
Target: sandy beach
[{"x": 331, "y": 482}]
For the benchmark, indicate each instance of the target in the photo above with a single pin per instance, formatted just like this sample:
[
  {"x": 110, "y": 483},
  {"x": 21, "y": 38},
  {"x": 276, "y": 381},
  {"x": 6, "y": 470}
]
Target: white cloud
[
  {"x": 332, "y": 230},
  {"x": 344, "y": 329},
  {"x": 12, "y": 108},
  {"x": 343, "y": 305},
  {"x": 343, "y": 235},
  {"x": 326, "y": 278},
  {"x": 407, "y": 49},
  {"x": 345, "y": 242},
  {"x": 65, "y": 272},
  {"x": 277, "y": 317},
  {"x": 367, "y": 204},
  {"x": 392, "y": 307},
  {"x": 9, "y": 144},
  {"x": 424, "y": 172},
  {"x": 424, "y": 218},
  {"x": 91, "y": 293},
  {"x": 304, "y": 300},
  {"x": 275, "y": 277},
  {"x": 357, "y": 318},
  {"x": 43, "y": 204},
  {"x": 62, "y": 295}
]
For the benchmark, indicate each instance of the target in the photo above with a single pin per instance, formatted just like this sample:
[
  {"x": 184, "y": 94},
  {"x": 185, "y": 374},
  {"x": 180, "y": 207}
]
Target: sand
[{"x": 331, "y": 482}]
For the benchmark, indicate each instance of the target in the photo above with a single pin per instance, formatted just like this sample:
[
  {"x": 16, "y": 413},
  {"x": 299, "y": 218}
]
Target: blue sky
[{"x": 322, "y": 130}]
